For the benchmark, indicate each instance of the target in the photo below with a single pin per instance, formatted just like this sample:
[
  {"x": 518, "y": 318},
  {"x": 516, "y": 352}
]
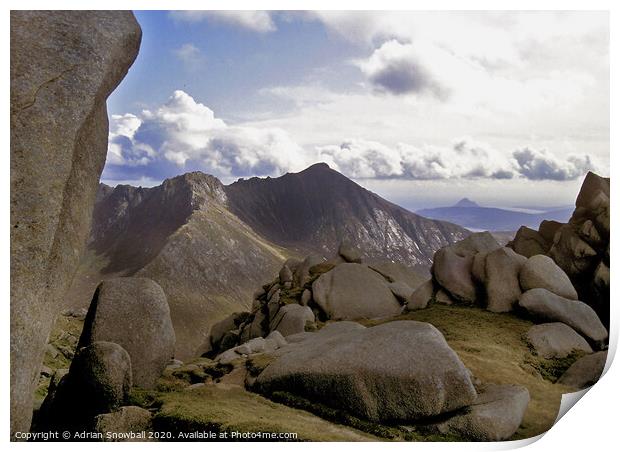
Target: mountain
[
  {"x": 313, "y": 210},
  {"x": 470, "y": 215},
  {"x": 465, "y": 202},
  {"x": 209, "y": 245}
]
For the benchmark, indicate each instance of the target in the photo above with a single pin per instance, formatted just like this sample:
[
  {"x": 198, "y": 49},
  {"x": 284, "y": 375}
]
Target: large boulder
[
  {"x": 353, "y": 291},
  {"x": 496, "y": 414},
  {"x": 134, "y": 313},
  {"x": 397, "y": 272},
  {"x": 548, "y": 306},
  {"x": 99, "y": 381},
  {"x": 592, "y": 185},
  {"x": 556, "y": 340},
  {"x": 292, "y": 319},
  {"x": 541, "y": 272},
  {"x": 360, "y": 370},
  {"x": 585, "y": 371},
  {"x": 64, "y": 64},
  {"x": 453, "y": 273},
  {"x": 301, "y": 275},
  {"x": 571, "y": 253},
  {"x": 501, "y": 280}
]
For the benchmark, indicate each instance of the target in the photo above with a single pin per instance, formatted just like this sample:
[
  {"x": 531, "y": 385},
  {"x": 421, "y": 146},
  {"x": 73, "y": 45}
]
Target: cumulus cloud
[
  {"x": 188, "y": 53},
  {"x": 464, "y": 159},
  {"x": 398, "y": 69},
  {"x": 258, "y": 21},
  {"x": 184, "y": 135},
  {"x": 541, "y": 165}
]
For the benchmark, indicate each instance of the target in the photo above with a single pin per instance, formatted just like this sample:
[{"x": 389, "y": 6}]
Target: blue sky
[{"x": 423, "y": 108}]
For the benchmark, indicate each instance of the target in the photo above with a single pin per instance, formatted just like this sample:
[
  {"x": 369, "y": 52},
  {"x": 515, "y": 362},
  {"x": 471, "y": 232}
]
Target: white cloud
[
  {"x": 190, "y": 55},
  {"x": 257, "y": 21},
  {"x": 541, "y": 165},
  {"x": 186, "y": 134}
]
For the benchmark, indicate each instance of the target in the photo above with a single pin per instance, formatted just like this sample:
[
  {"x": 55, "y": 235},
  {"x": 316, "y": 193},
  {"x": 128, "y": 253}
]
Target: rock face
[
  {"x": 64, "y": 64},
  {"x": 546, "y": 305},
  {"x": 495, "y": 415},
  {"x": 134, "y": 313},
  {"x": 352, "y": 291},
  {"x": 528, "y": 242},
  {"x": 360, "y": 370},
  {"x": 541, "y": 272},
  {"x": 99, "y": 381},
  {"x": 556, "y": 340},
  {"x": 585, "y": 371},
  {"x": 420, "y": 298}
]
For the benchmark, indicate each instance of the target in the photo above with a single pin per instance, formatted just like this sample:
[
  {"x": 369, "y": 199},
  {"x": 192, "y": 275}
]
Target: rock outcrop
[
  {"x": 541, "y": 272},
  {"x": 360, "y": 370},
  {"x": 64, "y": 64},
  {"x": 133, "y": 313}
]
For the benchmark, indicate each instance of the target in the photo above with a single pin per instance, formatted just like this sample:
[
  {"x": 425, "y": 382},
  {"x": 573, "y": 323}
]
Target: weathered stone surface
[
  {"x": 134, "y": 313},
  {"x": 453, "y": 273},
  {"x": 501, "y": 283},
  {"x": 548, "y": 229},
  {"x": 496, "y": 414},
  {"x": 541, "y": 272},
  {"x": 421, "y": 296},
  {"x": 478, "y": 268},
  {"x": 556, "y": 340},
  {"x": 592, "y": 185},
  {"x": 576, "y": 314},
  {"x": 401, "y": 291},
  {"x": 301, "y": 275},
  {"x": 64, "y": 64},
  {"x": 571, "y": 253},
  {"x": 285, "y": 275},
  {"x": 397, "y": 272},
  {"x": 353, "y": 291},
  {"x": 99, "y": 381},
  {"x": 360, "y": 370},
  {"x": 480, "y": 242},
  {"x": 349, "y": 253},
  {"x": 292, "y": 319},
  {"x": 585, "y": 371},
  {"x": 121, "y": 424},
  {"x": 442, "y": 297},
  {"x": 306, "y": 297},
  {"x": 528, "y": 242},
  {"x": 219, "y": 330}
]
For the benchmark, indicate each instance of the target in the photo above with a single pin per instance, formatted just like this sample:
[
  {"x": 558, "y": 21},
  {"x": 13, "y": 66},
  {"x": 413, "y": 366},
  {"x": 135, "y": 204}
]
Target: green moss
[
  {"x": 390, "y": 432},
  {"x": 228, "y": 408},
  {"x": 552, "y": 369}
]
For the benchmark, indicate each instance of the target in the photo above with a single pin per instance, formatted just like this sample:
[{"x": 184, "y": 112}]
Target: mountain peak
[{"x": 465, "y": 202}]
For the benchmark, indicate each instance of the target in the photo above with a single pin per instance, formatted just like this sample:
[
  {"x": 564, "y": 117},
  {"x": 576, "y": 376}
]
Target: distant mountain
[
  {"x": 470, "y": 215},
  {"x": 209, "y": 245},
  {"x": 465, "y": 202}
]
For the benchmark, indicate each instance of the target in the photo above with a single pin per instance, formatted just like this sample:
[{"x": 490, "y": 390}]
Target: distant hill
[{"x": 471, "y": 215}]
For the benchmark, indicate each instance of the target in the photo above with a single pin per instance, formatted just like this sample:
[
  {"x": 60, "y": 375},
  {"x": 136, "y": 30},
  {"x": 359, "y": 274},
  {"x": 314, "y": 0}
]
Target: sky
[{"x": 423, "y": 108}]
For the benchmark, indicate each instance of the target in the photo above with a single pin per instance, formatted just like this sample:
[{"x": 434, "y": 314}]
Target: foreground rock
[
  {"x": 360, "y": 370},
  {"x": 64, "y": 64},
  {"x": 496, "y": 415},
  {"x": 453, "y": 273},
  {"x": 134, "y": 313},
  {"x": 129, "y": 423},
  {"x": 541, "y": 272},
  {"x": 585, "y": 371},
  {"x": 99, "y": 381},
  {"x": 556, "y": 340},
  {"x": 546, "y": 305},
  {"x": 352, "y": 291}
]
